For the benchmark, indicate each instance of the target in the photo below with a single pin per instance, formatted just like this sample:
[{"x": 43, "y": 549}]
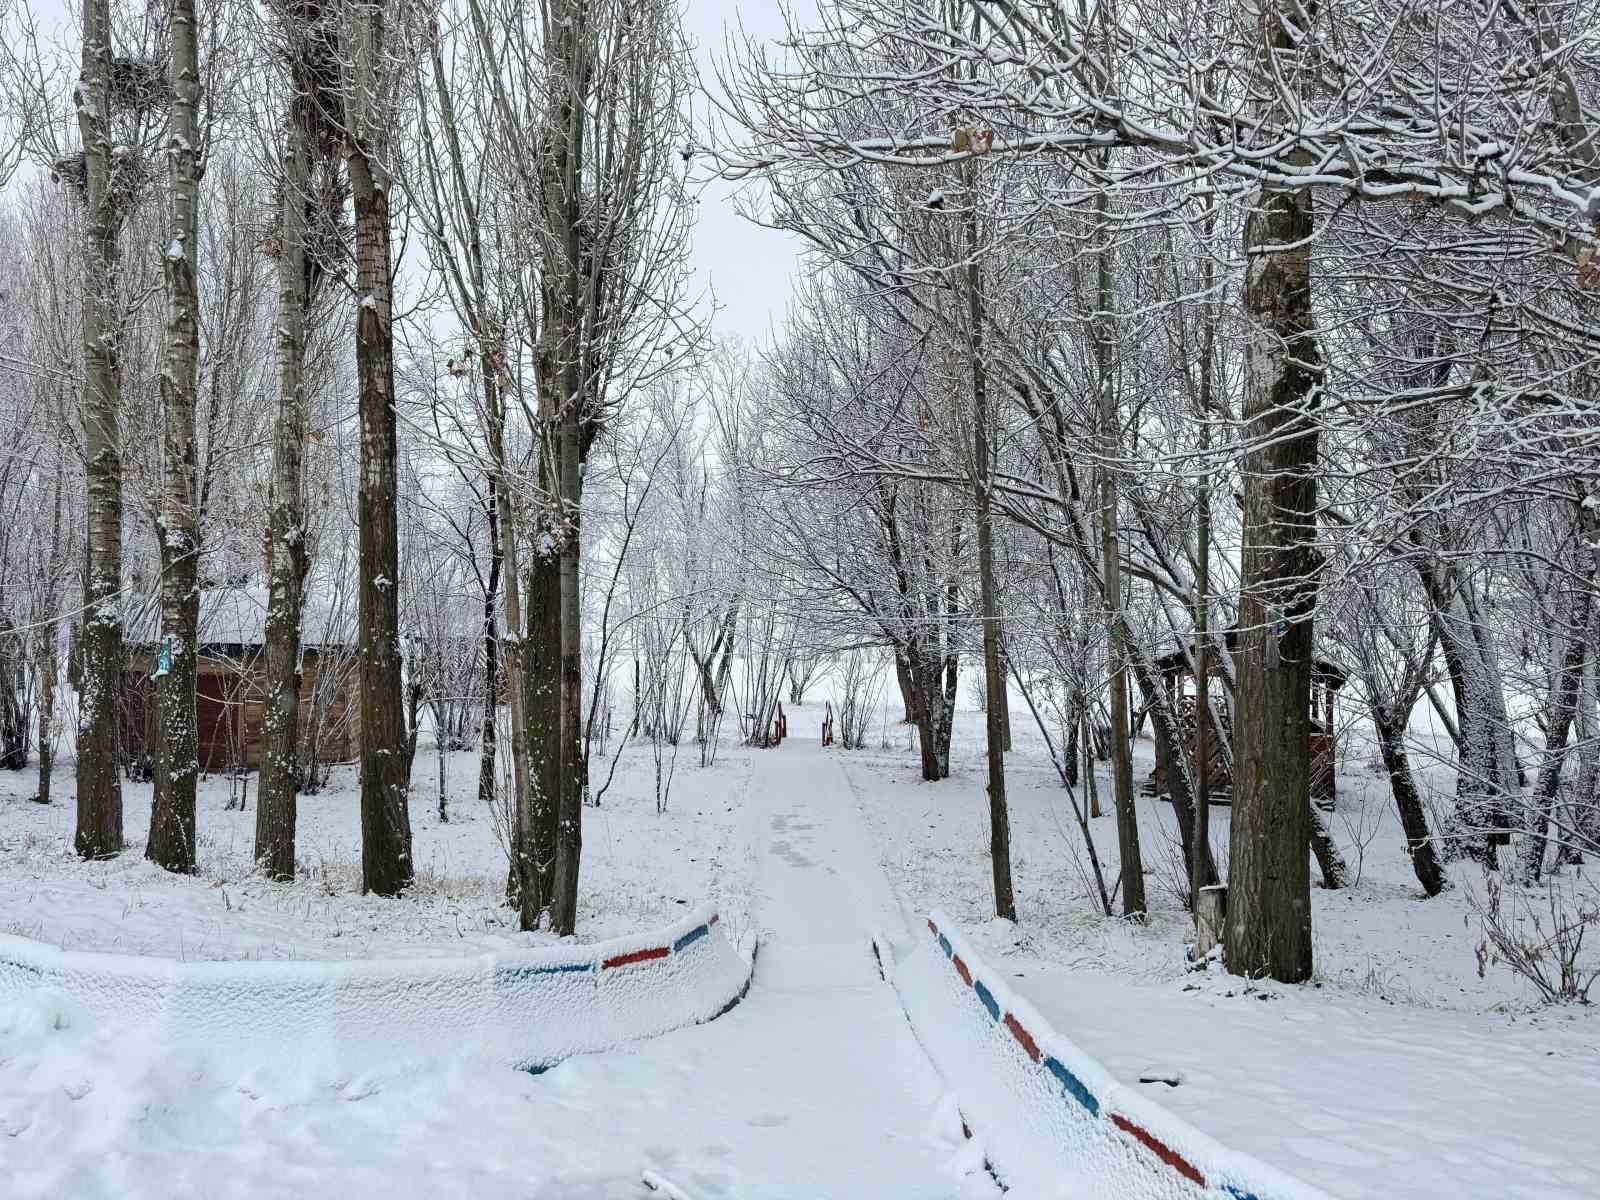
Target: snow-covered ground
[
  {"x": 640, "y": 869},
  {"x": 1400, "y": 1072},
  {"x": 813, "y": 1086}
]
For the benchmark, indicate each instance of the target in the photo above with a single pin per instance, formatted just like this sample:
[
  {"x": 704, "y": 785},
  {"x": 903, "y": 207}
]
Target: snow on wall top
[
  {"x": 529, "y": 1008},
  {"x": 1049, "y": 1116}
]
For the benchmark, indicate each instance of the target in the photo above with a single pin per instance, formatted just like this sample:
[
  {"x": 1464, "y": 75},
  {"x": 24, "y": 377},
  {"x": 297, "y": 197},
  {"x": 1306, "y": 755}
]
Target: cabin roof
[{"x": 235, "y": 618}]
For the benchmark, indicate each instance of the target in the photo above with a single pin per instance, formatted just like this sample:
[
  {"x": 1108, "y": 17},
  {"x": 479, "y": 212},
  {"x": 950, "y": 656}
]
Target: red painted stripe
[
  {"x": 1160, "y": 1149},
  {"x": 961, "y": 970},
  {"x": 713, "y": 921},
  {"x": 933, "y": 929},
  {"x": 623, "y": 960},
  {"x": 1024, "y": 1038}
]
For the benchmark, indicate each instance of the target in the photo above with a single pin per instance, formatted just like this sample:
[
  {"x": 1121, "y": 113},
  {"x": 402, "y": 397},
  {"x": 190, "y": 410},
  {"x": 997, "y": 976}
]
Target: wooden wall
[{"x": 229, "y": 702}]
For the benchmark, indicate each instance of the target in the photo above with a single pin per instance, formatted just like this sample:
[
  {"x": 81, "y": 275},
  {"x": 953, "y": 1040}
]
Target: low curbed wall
[
  {"x": 1050, "y": 1118},
  {"x": 527, "y": 1008}
]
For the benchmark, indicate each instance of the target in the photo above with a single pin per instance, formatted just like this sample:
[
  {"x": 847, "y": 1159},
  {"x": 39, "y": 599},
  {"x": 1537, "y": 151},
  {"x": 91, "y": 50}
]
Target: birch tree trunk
[
  {"x": 386, "y": 864},
  {"x": 99, "y": 817},
  {"x": 172, "y": 829},
  {"x": 1269, "y": 878}
]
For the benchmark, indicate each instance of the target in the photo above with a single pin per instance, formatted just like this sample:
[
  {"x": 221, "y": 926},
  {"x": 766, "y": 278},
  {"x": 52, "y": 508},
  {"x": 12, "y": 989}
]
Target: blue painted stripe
[
  {"x": 508, "y": 973},
  {"x": 944, "y": 944},
  {"x": 987, "y": 998},
  {"x": 1075, "y": 1087},
  {"x": 694, "y": 935},
  {"x": 1237, "y": 1194}
]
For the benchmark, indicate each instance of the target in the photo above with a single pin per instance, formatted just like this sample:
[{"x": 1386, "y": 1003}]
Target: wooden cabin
[
  {"x": 230, "y": 684},
  {"x": 1177, "y": 675}
]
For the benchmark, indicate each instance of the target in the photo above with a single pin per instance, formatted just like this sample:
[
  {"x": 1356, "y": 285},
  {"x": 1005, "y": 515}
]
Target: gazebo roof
[{"x": 1324, "y": 671}]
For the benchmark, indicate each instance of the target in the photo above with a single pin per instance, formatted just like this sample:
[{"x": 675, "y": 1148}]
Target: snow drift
[
  {"x": 1051, "y": 1120},
  {"x": 529, "y": 1008}
]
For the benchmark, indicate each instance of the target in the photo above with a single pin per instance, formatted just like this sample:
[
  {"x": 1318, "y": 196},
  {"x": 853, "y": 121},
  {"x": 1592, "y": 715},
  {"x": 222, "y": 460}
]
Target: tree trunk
[
  {"x": 522, "y": 887},
  {"x": 45, "y": 669},
  {"x": 544, "y": 728},
  {"x": 569, "y": 820},
  {"x": 488, "y": 729},
  {"x": 1335, "y": 872},
  {"x": 902, "y": 677},
  {"x": 1390, "y": 725},
  {"x": 46, "y": 646},
  {"x": 1075, "y": 719},
  {"x": 1167, "y": 731},
  {"x": 277, "y": 790},
  {"x": 994, "y": 680},
  {"x": 13, "y": 690},
  {"x": 1486, "y": 767},
  {"x": 172, "y": 831},
  {"x": 1131, "y": 863},
  {"x": 386, "y": 863},
  {"x": 1585, "y": 812},
  {"x": 1269, "y": 878},
  {"x": 1003, "y": 696},
  {"x": 946, "y": 709},
  {"x": 1562, "y": 704},
  {"x": 1202, "y": 868},
  {"x": 439, "y": 748},
  {"x": 99, "y": 817},
  {"x": 922, "y": 677}
]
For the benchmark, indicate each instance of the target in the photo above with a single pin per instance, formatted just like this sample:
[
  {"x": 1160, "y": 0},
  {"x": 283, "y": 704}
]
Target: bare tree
[
  {"x": 307, "y": 244},
  {"x": 604, "y": 225}
]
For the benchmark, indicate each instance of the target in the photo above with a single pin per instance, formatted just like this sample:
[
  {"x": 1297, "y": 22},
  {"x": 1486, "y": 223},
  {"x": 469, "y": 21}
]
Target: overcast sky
[{"x": 749, "y": 269}]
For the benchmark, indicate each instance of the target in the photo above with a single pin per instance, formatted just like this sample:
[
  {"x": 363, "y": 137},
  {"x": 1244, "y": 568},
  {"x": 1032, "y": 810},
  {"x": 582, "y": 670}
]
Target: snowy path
[
  {"x": 812, "y": 1088},
  {"x": 814, "y": 1085}
]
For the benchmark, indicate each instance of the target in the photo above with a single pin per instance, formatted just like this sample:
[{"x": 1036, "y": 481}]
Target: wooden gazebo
[{"x": 1177, "y": 676}]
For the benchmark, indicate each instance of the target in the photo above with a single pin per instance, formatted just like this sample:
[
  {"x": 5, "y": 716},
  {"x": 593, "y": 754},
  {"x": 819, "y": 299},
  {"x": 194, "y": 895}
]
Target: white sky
[{"x": 748, "y": 269}]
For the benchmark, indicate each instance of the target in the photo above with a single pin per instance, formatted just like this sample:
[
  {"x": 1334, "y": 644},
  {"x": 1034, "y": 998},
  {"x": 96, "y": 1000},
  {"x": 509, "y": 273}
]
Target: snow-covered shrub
[{"x": 1543, "y": 944}]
